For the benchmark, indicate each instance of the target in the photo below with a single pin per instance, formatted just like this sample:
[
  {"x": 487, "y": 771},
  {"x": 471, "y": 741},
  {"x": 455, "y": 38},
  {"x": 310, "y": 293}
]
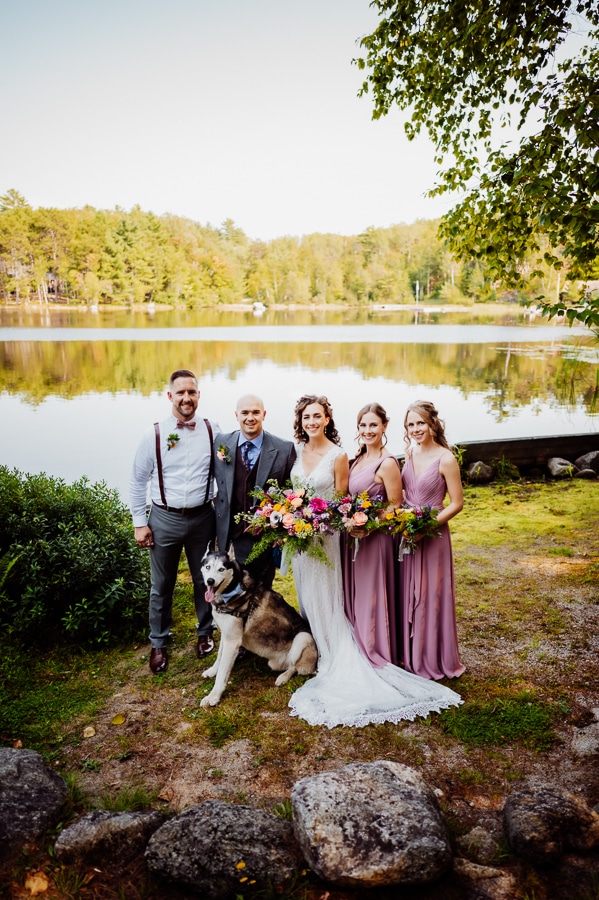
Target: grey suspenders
[{"x": 159, "y": 462}]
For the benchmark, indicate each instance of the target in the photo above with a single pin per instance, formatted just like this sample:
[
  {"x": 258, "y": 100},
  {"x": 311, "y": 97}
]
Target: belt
[{"x": 185, "y": 511}]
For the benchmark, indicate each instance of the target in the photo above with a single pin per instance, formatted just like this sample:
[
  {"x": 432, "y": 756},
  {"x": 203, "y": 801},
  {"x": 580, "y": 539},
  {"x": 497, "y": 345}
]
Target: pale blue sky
[{"x": 210, "y": 109}]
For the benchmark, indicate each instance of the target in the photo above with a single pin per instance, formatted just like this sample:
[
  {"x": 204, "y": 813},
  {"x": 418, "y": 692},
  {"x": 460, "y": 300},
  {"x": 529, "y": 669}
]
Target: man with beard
[{"x": 175, "y": 459}]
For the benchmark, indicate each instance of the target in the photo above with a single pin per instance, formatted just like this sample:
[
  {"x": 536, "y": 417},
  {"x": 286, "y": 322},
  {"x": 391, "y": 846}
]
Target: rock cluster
[
  {"x": 361, "y": 827},
  {"x": 586, "y": 466}
]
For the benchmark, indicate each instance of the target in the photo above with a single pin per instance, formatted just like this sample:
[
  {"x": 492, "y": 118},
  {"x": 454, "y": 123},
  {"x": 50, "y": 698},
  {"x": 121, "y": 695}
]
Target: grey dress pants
[{"x": 172, "y": 533}]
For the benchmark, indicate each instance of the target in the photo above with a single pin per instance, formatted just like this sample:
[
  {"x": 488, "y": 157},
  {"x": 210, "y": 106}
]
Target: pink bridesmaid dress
[
  {"x": 369, "y": 580},
  {"x": 428, "y": 631}
]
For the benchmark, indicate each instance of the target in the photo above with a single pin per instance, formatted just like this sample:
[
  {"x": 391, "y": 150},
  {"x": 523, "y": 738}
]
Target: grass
[
  {"x": 527, "y": 570},
  {"x": 504, "y": 720}
]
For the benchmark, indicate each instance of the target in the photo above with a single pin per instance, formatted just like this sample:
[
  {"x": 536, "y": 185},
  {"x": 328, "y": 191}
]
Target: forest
[{"x": 92, "y": 257}]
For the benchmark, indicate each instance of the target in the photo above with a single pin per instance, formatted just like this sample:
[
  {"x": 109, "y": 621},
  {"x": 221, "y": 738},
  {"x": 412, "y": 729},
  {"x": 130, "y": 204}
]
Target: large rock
[
  {"x": 588, "y": 461},
  {"x": 220, "y": 850},
  {"x": 479, "y": 472},
  {"x": 542, "y": 821},
  {"x": 107, "y": 839},
  {"x": 371, "y": 824},
  {"x": 31, "y": 796},
  {"x": 561, "y": 468}
]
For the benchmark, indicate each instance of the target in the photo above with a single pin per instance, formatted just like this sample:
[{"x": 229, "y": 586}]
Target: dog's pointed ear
[
  {"x": 208, "y": 548},
  {"x": 231, "y": 551}
]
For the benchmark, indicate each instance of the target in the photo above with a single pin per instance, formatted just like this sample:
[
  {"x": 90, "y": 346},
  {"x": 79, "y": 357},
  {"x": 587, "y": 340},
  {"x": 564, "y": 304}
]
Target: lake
[{"x": 78, "y": 387}]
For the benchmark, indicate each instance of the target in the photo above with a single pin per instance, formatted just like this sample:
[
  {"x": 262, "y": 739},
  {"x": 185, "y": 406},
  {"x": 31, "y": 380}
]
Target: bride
[{"x": 346, "y": 690}]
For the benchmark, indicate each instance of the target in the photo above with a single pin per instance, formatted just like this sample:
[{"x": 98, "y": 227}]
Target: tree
[{"x": 468, "y": 70}]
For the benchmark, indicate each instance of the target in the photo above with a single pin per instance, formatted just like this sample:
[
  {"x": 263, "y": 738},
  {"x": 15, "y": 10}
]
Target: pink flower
[
  {"x": 288, "y": 520},
  {"x": 296, "y": 502},
  {"x": 360, "y": 518},
  {"x": 318, "y": 505}
]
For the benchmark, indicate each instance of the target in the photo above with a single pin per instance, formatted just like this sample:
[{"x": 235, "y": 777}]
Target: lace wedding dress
[{"x": 347, "y": 690}]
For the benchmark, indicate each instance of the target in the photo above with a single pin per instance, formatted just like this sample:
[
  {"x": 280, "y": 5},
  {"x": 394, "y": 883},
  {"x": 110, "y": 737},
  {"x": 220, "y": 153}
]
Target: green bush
[{"x": 78, "y": 575}]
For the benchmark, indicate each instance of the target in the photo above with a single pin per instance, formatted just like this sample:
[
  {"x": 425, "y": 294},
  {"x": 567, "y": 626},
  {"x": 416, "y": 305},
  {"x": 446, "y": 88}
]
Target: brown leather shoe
[
  {"x": 158, "y": 660},
  {"x": 205, "y": 646}
]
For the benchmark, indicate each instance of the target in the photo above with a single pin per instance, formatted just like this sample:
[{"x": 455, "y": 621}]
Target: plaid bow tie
[{"x": 181, "y": 424}]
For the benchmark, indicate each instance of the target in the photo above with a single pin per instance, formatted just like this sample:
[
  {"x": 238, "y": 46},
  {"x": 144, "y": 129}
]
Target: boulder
[
  {"x": 542, "y": 821},
  {"x": 371, "y": 824},
  {"x": 220, "y": 850},
  {"x": 479, "y": 473},
  {"x": 585, "y": 473},
  {"x": 588, "y": 461},
  {"x": 107, "y": 839},
  {"x": 561, "y": 468},
  {"x": 31, "y": 797}
]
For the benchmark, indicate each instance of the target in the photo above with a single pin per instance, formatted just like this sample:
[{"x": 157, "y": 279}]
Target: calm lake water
[{"x": 77, "y": 388}]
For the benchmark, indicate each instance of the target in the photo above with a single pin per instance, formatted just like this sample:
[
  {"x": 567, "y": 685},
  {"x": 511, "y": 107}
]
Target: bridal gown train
[{"x": 347, "y": 690}]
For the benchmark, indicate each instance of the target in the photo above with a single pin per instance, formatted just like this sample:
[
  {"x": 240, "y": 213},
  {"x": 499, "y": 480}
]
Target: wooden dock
[{"x": 530, "y": 452}]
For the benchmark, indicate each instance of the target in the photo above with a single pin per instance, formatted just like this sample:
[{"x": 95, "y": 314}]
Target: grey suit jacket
[{"x": 275, "y": 461}]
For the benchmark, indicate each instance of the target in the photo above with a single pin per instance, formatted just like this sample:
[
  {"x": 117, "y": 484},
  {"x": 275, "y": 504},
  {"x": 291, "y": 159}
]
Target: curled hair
[
  {"x": 181, "y": 373},
  {"x": 305, "y": 401},
  {"x": 430, "y": 415},
  {"x": 378, "y": 411}
]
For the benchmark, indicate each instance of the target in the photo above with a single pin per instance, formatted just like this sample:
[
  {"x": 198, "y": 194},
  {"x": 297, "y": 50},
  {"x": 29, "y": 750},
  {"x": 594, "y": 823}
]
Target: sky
[{"x": 208, "y": 109}]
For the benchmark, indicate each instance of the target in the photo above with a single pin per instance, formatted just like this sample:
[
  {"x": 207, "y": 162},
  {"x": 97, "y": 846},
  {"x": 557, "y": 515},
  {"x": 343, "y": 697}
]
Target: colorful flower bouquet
[
  {"x": 287, "y": 518},
  {"x": 411, "y": 522},
  {"x": 359, "y": 511}
]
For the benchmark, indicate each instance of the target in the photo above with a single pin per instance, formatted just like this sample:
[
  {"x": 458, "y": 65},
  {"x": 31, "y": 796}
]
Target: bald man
[{"x": 249, "y": 458}]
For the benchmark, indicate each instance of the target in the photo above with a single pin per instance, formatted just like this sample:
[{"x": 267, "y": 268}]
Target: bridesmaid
[
  {"x": 429, "y": 640},
  {"x": 369, "y": 576}
]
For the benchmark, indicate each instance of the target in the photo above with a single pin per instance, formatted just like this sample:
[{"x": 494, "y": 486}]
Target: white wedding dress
[{"x": 347, "y": 689}]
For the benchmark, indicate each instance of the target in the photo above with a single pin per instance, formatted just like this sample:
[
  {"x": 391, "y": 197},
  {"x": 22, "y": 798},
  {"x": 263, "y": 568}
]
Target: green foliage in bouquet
[
  {"x": 283, "y": 517},
  {"x": 77, "y": 574}
]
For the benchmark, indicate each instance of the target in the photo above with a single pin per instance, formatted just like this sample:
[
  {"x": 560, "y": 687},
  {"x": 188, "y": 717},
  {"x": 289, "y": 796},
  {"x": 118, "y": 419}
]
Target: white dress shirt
[{"x": 185, "y": 468}]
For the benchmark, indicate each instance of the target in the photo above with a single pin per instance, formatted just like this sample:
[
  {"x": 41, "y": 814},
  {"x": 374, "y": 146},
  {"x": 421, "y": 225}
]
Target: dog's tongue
[{"x": 209, "y": 595}]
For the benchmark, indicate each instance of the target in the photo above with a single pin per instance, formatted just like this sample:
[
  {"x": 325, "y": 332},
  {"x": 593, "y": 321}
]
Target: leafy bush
[{"x": 76, "y": 572}]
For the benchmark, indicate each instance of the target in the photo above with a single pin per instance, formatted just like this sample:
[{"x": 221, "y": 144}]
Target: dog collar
[{"x": 234, "y": 593}]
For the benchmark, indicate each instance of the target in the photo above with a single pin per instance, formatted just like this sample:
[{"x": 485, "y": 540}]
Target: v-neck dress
[
  {"x": 347, "y": 689},
  {"x": 428, "y": 630},
  {"x": 369, "y": 577}
]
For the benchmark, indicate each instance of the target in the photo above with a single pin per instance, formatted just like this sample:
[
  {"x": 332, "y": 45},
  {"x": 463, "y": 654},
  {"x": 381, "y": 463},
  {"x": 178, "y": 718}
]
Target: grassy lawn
[{"x": 527, "y": 578}]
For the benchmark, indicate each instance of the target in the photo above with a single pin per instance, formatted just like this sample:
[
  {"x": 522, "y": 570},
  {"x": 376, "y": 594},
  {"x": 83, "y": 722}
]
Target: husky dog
[{"x": 250, "y": 616}]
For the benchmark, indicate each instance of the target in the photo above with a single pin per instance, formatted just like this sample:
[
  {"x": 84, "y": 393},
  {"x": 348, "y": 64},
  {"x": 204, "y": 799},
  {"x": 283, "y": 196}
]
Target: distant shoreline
[{"x": 247, "y": 307}]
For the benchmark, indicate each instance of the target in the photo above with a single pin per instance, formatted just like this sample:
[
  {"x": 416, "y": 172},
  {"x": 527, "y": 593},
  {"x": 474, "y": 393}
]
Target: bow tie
[{"x": 181, "y": 424}]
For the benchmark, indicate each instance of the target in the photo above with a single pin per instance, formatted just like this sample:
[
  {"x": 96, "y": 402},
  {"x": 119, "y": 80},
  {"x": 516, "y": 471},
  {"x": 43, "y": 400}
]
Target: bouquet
[
  {"x": 411, "y": 522},
  {"x": 358, "y": 511},
  {"x": 286, "y": 518}
]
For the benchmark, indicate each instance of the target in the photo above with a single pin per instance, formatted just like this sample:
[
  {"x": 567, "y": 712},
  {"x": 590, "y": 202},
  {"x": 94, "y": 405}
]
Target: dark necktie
[
  {"x": 181, "y": 424},
  {"x": 245, "y": 455}
]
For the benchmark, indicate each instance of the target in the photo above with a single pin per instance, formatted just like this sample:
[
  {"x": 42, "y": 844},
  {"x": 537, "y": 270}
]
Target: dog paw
[
  {"x": 284, "y": 677},
  {"x": 209, "y": 700},
  {"x": 209, "y": 673}
]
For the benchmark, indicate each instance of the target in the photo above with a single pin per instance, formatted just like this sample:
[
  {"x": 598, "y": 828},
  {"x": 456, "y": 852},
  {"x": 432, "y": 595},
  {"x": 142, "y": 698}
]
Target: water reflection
[{"x": 78, "y": 406}]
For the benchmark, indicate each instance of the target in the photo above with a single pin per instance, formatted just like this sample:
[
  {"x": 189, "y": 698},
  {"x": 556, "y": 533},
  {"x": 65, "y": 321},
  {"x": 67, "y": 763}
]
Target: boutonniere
[
  {"x": 223, "y": 454},
  {"x": 172, "y": 440}
]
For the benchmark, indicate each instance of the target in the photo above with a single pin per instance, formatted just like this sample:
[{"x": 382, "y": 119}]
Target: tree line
[{"x": 93, "y": 257}]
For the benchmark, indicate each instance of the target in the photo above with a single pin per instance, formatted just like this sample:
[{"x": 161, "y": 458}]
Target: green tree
[{"x": 467, "y": 72}]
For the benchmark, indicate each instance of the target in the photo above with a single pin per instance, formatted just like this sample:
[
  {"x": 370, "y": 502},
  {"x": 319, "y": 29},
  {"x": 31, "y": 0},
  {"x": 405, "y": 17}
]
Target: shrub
[{"x": 77, "y": 572}]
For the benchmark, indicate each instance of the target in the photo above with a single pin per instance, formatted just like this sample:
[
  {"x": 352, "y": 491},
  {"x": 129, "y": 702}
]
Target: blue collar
[{"x": 234, "y": 593}]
